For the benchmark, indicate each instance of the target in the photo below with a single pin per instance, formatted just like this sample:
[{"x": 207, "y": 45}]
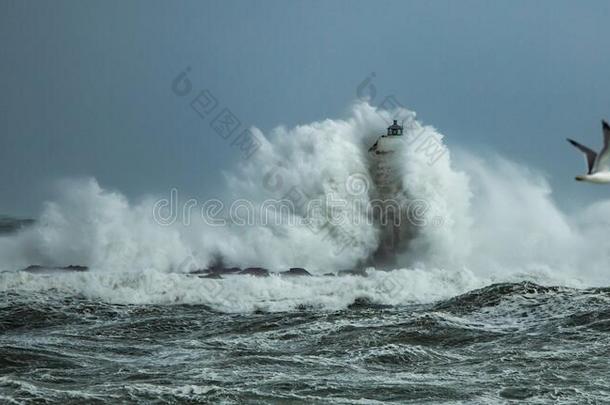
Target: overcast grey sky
[{"x": 86, "y": 85}]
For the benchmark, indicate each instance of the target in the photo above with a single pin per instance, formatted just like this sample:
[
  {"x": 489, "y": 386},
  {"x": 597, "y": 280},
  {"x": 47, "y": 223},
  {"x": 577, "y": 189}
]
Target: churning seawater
[{"x": 506, "y": 341}]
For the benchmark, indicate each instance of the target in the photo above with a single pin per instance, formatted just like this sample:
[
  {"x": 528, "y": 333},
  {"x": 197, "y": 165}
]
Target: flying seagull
[{"x": 598, "y": 164}]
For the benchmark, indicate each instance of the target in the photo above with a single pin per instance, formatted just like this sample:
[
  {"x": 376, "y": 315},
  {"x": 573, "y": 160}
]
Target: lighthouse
[
  {"x": 388, "y": 197},
  {"x": 385, "y": 142}
]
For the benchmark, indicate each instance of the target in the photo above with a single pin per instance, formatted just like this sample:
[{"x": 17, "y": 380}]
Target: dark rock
[
  {"x": 255, "y": 271},
  {"x": 200, "y": 271},
  {"x": 226, "y": 270},
  {"x": 212, "y": 275},
  {"x": 296, "y": 271},
  {"x": 34, "y": 268},
  {"x": 352, "y": 272},
  {"x": 330, "y": 275},
  {"x": 37, "y": 269},
  {"x": 75, "y": 268},
  {"x": 217, "y": 270}
]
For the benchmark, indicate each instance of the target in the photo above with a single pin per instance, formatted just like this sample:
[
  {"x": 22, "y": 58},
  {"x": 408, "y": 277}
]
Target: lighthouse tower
[{"x": 387, "y": 196}]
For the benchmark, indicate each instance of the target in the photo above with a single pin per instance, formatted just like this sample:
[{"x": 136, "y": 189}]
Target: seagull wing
[
  {"x": 603, "y": 159},
  {"x": 589, "y": 154}
]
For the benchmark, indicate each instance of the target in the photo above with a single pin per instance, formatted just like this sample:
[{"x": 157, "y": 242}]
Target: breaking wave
[{"x": 481, "y": 220}]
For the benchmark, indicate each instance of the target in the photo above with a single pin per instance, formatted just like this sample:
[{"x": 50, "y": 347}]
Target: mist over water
[{"x": 485, "y": 219}]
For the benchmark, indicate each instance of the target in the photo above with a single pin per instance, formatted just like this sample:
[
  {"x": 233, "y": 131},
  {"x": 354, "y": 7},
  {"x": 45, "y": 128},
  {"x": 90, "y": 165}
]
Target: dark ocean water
[
  {"x": 11, "y": 225},
  {"x": 504, "y": 342}
]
